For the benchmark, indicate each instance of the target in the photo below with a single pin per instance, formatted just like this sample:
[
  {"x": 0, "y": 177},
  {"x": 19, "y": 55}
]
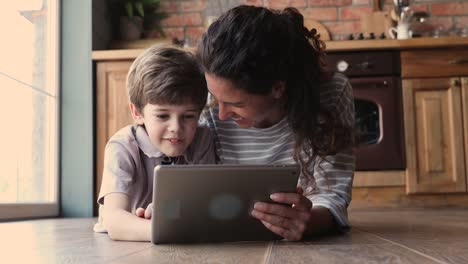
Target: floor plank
[
  {"x": 60, "y": 241},
  {"x": 445, "y": 251},
  {"x": 375, "y": 253},
  {"x": 441, "y": 234},
  {"x": 353, "y": 237},
  {"x": 442, "y": 224},
  {"x": 249, "y": 252},
  {"x": 379, "y": 236}
]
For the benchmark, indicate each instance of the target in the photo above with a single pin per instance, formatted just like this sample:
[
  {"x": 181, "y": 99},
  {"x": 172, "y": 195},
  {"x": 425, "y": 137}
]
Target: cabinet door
[
  {"x": 434, "y": 135},
  {"x": 112, "y": 110},
  {"x": 464, "y": 83}
]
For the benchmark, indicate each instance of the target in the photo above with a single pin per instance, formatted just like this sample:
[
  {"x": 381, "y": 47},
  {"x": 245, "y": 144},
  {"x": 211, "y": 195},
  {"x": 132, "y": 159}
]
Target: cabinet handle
[
  {"x": 456, "y": 83},
  {"x": 458, "y": 61}
]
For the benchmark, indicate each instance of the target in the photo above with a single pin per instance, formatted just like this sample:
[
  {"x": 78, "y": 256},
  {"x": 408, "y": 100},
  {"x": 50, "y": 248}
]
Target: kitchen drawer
[{"x": 434, "y": 63}]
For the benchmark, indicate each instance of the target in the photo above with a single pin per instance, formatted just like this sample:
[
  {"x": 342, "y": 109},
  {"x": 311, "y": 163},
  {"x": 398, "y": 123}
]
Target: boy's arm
[{"x": 122, "y": 224}]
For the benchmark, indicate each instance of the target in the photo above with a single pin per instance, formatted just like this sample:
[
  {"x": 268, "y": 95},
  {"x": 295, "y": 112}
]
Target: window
[{"x": 29, "y": 108}]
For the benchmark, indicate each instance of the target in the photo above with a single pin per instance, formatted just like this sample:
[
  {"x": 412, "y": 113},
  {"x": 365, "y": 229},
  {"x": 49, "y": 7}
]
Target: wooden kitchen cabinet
[
  {"x": 112, "y": 110},
  {"x": 434, "y": 135},
  {"x": 435, "y": 98}
]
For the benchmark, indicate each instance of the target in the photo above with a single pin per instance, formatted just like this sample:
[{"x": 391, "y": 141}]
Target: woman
[{"x": 275, "y": 104}]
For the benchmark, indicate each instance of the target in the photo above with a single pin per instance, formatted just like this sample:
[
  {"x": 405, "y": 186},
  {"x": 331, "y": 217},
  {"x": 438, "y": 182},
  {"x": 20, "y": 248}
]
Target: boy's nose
[{"x": 176, "y": 124}]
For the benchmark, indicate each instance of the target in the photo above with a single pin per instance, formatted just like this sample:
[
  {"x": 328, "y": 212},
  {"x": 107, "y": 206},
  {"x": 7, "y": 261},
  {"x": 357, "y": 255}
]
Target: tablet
[{"x": 212, "y": 203}]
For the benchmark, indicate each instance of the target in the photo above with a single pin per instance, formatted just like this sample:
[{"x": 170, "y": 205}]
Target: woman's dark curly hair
[{"x": 254, "y": 47}]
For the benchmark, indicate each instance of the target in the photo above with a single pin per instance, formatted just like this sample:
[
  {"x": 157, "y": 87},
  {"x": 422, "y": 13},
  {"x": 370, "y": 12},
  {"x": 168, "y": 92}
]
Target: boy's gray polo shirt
[{"x": 130, "y": 158}]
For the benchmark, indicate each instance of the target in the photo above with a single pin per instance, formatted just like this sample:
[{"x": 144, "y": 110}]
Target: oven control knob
[{"x": 342, "y": 66}]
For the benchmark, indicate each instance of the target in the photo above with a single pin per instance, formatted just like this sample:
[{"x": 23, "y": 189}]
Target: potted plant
[{"x": 139, "y": 16}]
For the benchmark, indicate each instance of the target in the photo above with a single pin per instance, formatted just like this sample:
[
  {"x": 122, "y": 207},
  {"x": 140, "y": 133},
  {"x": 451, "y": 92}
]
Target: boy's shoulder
[
  {"x": 124, "y": 135},
  {"x": 124, "y": 139}
]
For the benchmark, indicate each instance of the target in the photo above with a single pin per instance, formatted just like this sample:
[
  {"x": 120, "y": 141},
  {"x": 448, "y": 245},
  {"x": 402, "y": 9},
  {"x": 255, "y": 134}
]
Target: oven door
[{"x": 378, "y": 108}]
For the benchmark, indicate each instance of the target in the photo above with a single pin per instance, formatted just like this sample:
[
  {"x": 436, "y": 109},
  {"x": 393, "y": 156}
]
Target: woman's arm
[
  {"x": 296, "y": 221},
  {"x": 330, "y": 199},
  {"x": 122, "y": 224}
]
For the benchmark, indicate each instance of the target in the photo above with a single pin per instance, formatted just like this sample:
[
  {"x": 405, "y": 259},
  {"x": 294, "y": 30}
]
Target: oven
[{"x": 375, "y": 78}]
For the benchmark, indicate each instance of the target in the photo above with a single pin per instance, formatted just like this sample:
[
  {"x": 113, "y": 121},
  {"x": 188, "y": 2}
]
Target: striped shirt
[{"x": 333, "y": 176}]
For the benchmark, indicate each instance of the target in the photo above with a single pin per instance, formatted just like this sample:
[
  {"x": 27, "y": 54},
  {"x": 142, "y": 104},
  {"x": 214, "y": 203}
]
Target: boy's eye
[
  {"x": 189, "y": 116},
  {"x": 162, "y": 116}
]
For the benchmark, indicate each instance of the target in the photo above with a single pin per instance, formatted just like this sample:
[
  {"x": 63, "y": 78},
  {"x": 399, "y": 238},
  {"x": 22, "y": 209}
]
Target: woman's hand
[
  {"x": 290, "y": 219},
  {"x": 145, "y": 213}
]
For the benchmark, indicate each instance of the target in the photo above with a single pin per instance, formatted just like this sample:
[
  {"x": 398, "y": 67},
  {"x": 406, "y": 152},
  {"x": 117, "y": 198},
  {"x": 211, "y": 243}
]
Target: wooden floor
[{"x": 397, "y": 236}]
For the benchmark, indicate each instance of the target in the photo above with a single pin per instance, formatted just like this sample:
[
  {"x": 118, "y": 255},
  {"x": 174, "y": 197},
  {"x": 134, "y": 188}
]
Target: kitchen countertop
[
  {"x": 377, "y": 236},
  {"x": 416, "y": 43},
  {"x": 340, "y": 45}
]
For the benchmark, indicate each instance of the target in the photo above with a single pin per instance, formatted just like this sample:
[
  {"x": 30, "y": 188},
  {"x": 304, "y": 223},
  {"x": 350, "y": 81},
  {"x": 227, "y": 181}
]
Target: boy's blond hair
[{"x": 166, "y": 75}]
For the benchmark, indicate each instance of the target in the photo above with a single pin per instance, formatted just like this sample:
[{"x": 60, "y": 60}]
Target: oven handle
[
  {"x": 384, "y": 83},
  {"x": 366, "y": 65}
]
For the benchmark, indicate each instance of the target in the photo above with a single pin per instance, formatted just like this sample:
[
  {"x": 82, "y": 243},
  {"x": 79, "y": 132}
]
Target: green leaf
[
  {"x": 129, "y": 9},
  {"x": 150, "y": 2},
  {"x": 140, "y": 9}
]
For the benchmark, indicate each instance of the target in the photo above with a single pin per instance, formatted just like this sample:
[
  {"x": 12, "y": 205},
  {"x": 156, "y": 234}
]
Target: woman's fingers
[
  {"x": 288, "y": 234},
  {"x": 291, "y": 221},
  {"x": 298, "y": 201},
  {"x": 276, "y": 220},
  {"x": 283, "y": 232},
  {"x": 276, "y": 209},
  {"x": 297, "y": 223}
]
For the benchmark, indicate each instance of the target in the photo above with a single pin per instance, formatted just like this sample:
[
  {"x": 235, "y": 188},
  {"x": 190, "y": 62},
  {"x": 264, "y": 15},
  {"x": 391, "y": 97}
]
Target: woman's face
[{"x": 247, "y": 110}]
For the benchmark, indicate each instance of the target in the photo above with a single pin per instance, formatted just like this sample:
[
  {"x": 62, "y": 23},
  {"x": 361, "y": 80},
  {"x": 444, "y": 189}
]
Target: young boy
[{"x": 167, "y": 93}]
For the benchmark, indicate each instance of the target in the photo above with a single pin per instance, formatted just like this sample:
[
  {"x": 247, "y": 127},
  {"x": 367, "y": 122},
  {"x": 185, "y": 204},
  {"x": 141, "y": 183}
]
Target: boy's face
[{"x": 170, "y": 128}]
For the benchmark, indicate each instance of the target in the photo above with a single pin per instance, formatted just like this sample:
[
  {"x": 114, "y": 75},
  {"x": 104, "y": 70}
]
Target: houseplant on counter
[{"x": 138, "y": 16}]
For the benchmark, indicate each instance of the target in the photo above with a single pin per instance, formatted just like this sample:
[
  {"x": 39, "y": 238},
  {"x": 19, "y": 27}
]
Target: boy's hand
[{"x": 147, "y": 214}]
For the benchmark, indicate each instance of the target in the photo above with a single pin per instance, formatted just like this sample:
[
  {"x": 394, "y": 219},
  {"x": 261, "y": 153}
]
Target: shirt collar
[{"x": 145, "y": 144}]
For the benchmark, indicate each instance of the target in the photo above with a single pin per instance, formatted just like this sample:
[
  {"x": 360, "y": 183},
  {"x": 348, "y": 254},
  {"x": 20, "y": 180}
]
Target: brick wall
[{"x": 187, "y": 17}]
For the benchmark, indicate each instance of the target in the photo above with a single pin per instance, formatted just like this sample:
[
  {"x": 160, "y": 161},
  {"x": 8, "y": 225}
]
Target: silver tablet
[{"x": 212, "y": 203}]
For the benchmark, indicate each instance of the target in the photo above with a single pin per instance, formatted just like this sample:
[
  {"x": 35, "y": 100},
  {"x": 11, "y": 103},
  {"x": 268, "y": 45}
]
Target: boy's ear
[
  {"x": 278, "y": 89},
  {"x": 137, "y": 116}
]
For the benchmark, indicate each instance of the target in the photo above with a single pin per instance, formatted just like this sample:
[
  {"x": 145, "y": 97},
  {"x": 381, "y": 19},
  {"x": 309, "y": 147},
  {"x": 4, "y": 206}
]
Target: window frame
[{"x": 14, "y": 211}]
